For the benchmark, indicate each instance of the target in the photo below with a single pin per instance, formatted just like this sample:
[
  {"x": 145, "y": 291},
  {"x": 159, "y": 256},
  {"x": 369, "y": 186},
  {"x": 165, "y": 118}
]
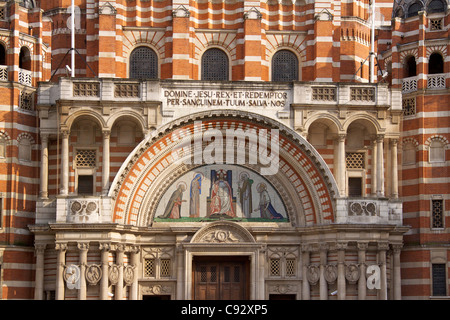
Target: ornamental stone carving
[
  {"x": 93, "y": 274},
  {"x": 352, "y": 273},
  {"x": 83, "y": 211},
  {"x": 222, "y": 232},
  {"x": 313, "y": 274},
  {"x": 282, "y": 288},
  {"x": 128, "y": 274},
  {"x": 156, "y": 289},
  {"x": 113, "y": 274},
  {"x": 71, "y": 275},
  {"x": 330, "y": 273}
]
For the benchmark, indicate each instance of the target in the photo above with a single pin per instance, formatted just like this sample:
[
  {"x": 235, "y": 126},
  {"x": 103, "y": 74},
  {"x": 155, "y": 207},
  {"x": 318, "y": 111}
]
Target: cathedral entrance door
[{"x": 221, "y": 278}]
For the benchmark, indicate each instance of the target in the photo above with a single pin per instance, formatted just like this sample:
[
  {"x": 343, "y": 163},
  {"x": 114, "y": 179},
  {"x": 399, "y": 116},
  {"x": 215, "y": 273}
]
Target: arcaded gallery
[{"x": 224, "y": 150}]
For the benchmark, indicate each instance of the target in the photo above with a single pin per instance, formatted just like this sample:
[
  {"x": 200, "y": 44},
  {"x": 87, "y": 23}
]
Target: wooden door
[{"x": 220, "y": 278}]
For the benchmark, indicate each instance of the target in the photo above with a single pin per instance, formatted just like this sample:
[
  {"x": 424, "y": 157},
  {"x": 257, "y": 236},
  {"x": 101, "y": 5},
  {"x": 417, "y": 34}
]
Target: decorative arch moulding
[{"x": 301, "y": 192}]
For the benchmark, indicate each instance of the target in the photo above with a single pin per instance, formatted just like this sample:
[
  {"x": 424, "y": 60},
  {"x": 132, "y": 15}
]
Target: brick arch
[
  {"x": 304, "y": 181},
  {"x": 292, "y": 42}
]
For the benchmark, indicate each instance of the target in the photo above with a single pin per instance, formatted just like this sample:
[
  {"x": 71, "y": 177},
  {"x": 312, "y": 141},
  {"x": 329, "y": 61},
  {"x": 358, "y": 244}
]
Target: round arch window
[
  {"x": 284, "y": 66},
  {"x": 143, "y": 64}
]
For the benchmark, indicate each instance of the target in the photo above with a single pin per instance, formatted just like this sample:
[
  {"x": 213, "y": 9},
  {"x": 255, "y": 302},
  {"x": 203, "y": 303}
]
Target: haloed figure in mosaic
[
  {"x": 266, "y": 209},
  {"x": 245, "y": 194},
  {"x": 195, "y": 192},
  {"x": 173, "y": 207}
]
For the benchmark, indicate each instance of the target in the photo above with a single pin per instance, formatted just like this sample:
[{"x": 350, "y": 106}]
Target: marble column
[
  {"x": 397, "y": 272},
  {"x": 323, "y": 286},
  {"x": 341, "y": 284},
  {"x": 120, "y": 252},
  {"x": 60, "y": 263},
  {"x": 380, "y": 166},
  {"x": 83, "y": 247},
  {"x": 39, "y": 281},
  {"x": 374, "y": 168},
  {"x": 362, "y": 283},
  {"x": 341, "y": 166},
  {"x": 305, "y": 282},
  {"x": 65, "y": 163},
  {"x": 382, "y": 249},
  {"x": 104, "y": 248},
  {"x": 105, "y": 162},
  {"x": 394, "y": 183},
  {"x": 135, "y": 261},
  {"x": 44, "y": 167}
]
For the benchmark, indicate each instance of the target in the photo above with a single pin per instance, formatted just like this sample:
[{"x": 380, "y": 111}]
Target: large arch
[{"x": 303, "y": 181}]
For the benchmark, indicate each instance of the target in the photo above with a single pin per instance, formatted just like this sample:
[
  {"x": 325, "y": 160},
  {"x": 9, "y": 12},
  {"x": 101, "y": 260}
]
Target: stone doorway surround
[{"x": 220, "y": 239}]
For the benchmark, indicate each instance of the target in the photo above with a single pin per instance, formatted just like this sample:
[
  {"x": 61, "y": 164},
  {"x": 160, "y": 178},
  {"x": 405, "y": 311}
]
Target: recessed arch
[
  {"x": 303, "y": 181},
  {"x": 215, "y": 65}
]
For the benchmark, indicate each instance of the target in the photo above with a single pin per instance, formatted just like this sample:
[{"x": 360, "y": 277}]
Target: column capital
[
  {"x": 44, "y": 137},
  {"x": 397, "y": 248},
  {"x": 341, "y": 137},
  {"x": 61, "y": 246},
  {"x": 363, "y": 245},
  {"x": 104, "y": 246},
  {"x": 83, "y": 246},
  {"x": 394, "y": 141},
  {"x": 40, "y": 247},
  {"x": 65, "y": 133},
  {"x": 380, "y": 138},
  {"x": 383, "y": 246},
  {"x": 106, "y": 133}
]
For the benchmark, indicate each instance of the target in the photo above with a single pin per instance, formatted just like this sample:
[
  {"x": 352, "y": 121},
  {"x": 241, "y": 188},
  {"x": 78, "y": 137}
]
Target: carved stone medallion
[{"x": 93, "y": 274}]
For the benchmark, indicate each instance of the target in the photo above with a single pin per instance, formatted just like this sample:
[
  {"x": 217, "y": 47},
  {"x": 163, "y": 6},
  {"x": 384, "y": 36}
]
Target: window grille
[
  {"x": 149, "y": 268},
  {"x": 165, "y": 266},
  {"x": 125, "y": 90},
  {"x": 437, "y": 213},
  {"x": 86, "y": 158},
  {"x": 143, "y": 64},
  {"x": 362, "y": 94},
  {"x": 213, "y": 274},
  {"x": 26, "y": 101},
  {"x": 290, "y": 267},
  {"x": 409, "y": 106},
  {"x": 203, "y": 274},
  {"x": 324, "y": 94},
  {"x": 86, "y": 89},
  {"x": 436, "y": 24},
  {"x": 2, "y": 13},
  {"x": 275, "y": 267},
  {"x": 284, "y": 66},
  {"x": 355, "y": 160},
  {"x": 439, "y": 279},
  {"x": 215, "y": 65}
]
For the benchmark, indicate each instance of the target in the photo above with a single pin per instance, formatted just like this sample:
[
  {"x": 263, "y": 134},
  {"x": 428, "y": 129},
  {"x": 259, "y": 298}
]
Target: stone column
[
  {"x": 394, "y": 173},
  {"x": 341, "y": 285},
  {"x": 104, "y": 248},
  {"x": 305, "y": 283},
  {"x": 374, "y": 168},
  {"x": 397, "y": 272},
  {"x": 39, "y": 281},
  {"x": 60, "y": 263},
  {"x": 362, "y": 284},
  {"x": 341, "y": 165},
  {"x": 323, "y": 286},
  {"x": 382, "y": 248},
  {"x": 44, "y": 166},
  {"x": 83, "y": 247},
  {"x": 135, "y": 260},
  {"x": 120, "y": 251},
  {"x": 380, "y": 166},
  {"x": 65, "y": 163},
  {"x": 106, "y": 162},
  {"x": 180, "y": 271}
]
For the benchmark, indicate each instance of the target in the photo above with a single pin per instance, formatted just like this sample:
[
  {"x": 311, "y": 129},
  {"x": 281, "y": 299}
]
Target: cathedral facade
[{"x": 208, "y": 150}]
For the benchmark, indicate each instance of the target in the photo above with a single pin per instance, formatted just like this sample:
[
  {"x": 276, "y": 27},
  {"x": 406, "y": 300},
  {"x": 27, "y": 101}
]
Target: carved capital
[
  {"x": 61, "y": 246},
  {"x": 83, "y": 246}
]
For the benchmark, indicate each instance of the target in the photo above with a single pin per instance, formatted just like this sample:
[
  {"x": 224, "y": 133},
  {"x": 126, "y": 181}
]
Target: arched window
[
  {"x": 24, "y": 58},
  {"x": 284, "y": 66},
  {"x": 437, "y": 151},
  {"x": 143, "y": 63},
  {"x": 436, "y": 6},
  {"x": 414, "y": 9},
  {"x": 435, "y": 64},
  {"x": 410, "y": 67},
  {"x": 215, "y": 65},
  {"x": 25, "y": 149},
  {"x": 2, "y": 55}
]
